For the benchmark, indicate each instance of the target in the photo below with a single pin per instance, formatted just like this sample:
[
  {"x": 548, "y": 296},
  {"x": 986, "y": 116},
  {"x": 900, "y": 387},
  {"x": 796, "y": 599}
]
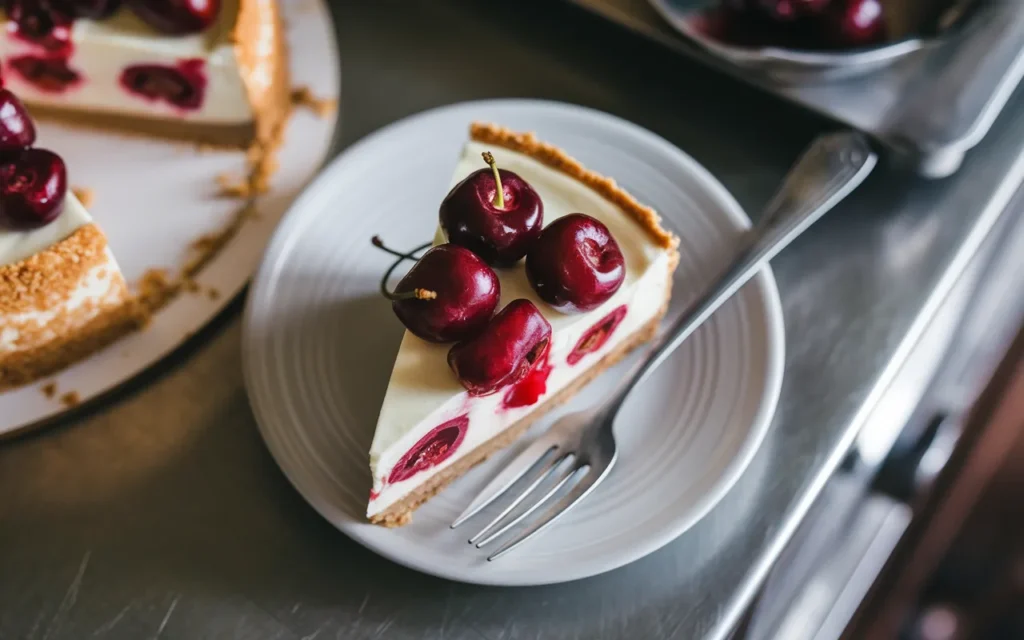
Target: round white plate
[
  {"x": 319, "y": 343},
  {"x": 155, "y": 198}
]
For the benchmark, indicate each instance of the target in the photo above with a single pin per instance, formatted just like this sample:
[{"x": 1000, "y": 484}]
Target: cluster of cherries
[
  {"x": 800, "y": 24},
  {"x": 39, "y": 20},
  {"x": 33, "y": 182},
  {"x": 494, "y": 218}
]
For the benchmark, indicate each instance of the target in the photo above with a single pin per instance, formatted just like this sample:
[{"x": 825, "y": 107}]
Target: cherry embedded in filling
[
  {"x": 597, "y": 335},
  {"x": 51, "y": 74},
  {"x": 40, "y": 22},
  {"x": 182, "y": 86},
  {"x": 432, "y": 449},
  {"x": 528, "y": 391}
]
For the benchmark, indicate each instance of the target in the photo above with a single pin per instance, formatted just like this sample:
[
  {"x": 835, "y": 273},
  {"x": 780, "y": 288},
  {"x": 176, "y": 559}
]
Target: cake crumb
[
  {"x": 205, "y": 147},
  {"x": 85, "y": 195},
  {"x": 232, "y": 187},
  {"x": 50, "y": 390},
  {"x": 190, "y": 285},
  {"x": 70, "y": 399},
  {"x": 213, "y": 293},
  {"x": 322, "y": 107},
  {"x": 156, "y": 289}
]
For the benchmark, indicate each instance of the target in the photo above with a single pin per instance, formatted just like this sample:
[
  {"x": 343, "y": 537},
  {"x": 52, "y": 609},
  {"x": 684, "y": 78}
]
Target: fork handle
[{"x": 833, "y": 166}]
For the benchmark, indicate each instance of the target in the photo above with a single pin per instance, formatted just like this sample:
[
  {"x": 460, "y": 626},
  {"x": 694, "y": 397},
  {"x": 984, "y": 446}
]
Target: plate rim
[{"x": 292, "y": 222}]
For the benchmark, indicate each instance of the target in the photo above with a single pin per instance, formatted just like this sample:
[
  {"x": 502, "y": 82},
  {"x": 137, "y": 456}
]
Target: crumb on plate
[
  {"x": 322, "y": 107},
  {"x": 70, "y": 399}
]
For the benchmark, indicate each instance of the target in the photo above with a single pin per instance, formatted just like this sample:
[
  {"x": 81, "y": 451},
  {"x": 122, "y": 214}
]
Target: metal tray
[{"x": 987, "y": 60}]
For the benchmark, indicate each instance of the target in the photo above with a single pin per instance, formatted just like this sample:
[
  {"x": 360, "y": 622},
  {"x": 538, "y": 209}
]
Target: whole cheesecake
[
  {"x": 434, "y": 424},
  {"x": 212, "y": 71}
]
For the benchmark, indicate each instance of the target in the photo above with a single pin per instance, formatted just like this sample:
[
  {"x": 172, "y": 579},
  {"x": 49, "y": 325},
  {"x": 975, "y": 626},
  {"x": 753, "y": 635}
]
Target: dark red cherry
[
  {"x": 576, "y": 264},
  {"x": 33, "y": 184},
  {"x": 449, "y": 295},
  {"x": 43, "y": 22},
  {"x": 17, "y": 131},
  {"x": 92, "y": 9},
  {"x": 176, "y": 17},
  {"x": 493, "y": 213},
  {"x": 183, "y": 86},
  {"x": 432, "y": 449},
  {"x": 854, "y": 23},
  {"x": 504, "y": 352}
]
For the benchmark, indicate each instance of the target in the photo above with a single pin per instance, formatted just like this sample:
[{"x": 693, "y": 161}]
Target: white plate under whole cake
[
  {"x": 319, "y": 343},
  {"x": 154, "y": 199}
]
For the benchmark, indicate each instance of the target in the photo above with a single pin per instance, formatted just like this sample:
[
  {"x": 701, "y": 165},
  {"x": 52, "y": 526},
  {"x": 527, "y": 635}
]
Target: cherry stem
[
  {"x": 418, "y": 293},
  {"x": 499, "y": 193}
]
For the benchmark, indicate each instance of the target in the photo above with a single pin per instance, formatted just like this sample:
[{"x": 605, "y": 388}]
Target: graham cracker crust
[
  {"x": 47, "y": 279},
  {"x": 400, "y": 513},
  {"x": 26, "y": 366},
  {"x": 220, "y": 136},
  {"x": 51, "y": 275}
]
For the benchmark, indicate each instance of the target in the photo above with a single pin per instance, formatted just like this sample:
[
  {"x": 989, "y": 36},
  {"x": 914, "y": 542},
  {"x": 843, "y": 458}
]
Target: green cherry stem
[
  {"x": 499, "y": 193},
  {"x": 418, "y": 293}
]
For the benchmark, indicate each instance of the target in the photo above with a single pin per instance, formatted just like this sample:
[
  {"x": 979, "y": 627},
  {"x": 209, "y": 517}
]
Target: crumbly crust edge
[
  {"x": 552, "y": 156},
  {"x": 33, "y": 284},
  {"x": 22, "y": 367},
  {"x": 47, "y": 278}
]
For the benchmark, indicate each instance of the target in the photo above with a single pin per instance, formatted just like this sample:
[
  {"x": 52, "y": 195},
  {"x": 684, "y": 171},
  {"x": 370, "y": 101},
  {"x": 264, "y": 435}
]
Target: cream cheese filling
[
  {"x": 102, "y": 49},
  {"x": 423, "y": 393},
  {"x": 15, "y": 246}
]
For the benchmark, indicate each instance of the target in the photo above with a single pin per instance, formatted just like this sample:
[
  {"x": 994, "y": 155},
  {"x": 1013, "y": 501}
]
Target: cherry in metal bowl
[{"x": 815, "y": 41}]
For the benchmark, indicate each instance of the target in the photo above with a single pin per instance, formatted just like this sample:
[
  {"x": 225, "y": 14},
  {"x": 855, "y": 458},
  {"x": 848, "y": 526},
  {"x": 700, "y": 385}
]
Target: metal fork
[{"x": 568, "y": 461}]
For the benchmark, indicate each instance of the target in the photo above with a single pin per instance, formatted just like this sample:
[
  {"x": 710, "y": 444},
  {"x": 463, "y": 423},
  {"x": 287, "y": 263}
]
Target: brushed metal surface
[{"x": 162, "y": 515}]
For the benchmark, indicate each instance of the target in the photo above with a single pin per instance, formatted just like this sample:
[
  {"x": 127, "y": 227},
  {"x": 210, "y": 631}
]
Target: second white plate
[{"x": 319, "y": 344}]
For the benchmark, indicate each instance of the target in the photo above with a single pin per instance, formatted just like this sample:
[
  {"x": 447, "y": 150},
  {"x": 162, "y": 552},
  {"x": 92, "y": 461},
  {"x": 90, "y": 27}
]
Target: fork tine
[
  {"x": 563, "y": 478},
  {"x": 530, "y": 459},
  {"x": 560, "y": 508},
  {"x": 549, "y": 471}
]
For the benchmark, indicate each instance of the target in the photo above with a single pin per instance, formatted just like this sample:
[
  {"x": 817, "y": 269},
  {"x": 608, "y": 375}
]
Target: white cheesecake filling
[
  {"x": 423, "y": 392},
  {"x": 101, "y": 50},
  {"x": 100, "y": 285},
  {"x": 15, "y": 246}
]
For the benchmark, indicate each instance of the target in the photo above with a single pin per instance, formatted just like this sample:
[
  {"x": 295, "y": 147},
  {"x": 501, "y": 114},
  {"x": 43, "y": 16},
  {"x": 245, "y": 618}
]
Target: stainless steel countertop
[{"x": 160, "y": 514}]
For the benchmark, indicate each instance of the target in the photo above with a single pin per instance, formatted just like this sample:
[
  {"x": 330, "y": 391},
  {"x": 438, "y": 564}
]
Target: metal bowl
[{"x": 913, "y": 24}]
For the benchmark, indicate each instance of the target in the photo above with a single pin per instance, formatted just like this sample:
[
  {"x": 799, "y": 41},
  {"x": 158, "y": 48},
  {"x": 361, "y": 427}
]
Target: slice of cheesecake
[
  {"x": 430, "y": 429},
  {"x": 214, "y": 71},
  {"x": 62, "y": 295}
]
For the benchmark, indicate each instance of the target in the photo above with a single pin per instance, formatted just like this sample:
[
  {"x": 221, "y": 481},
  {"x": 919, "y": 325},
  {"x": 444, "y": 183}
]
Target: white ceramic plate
[
  {"x": 319, "y": 344},
  {"x": 154, "y": 199}
]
